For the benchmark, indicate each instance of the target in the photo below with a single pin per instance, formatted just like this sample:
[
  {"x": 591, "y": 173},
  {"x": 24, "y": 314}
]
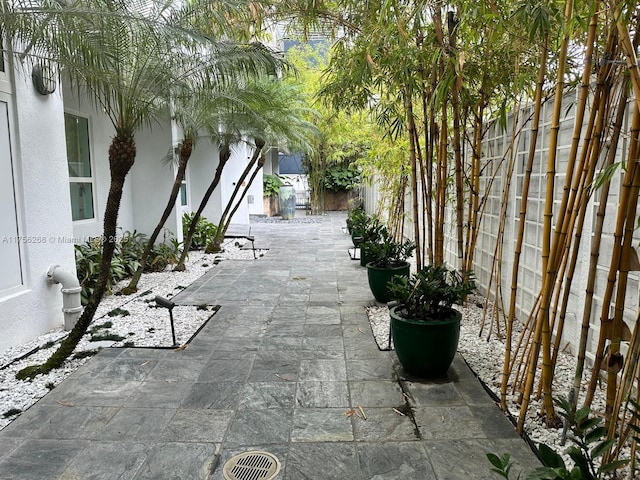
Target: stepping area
[{"x": 288, "y": 365}]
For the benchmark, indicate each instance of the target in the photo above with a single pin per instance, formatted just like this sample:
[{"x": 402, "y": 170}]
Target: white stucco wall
[
  {"x": 43, "y": 210},
  {"x": 200, "y": 172},
  {"x": 151, "y": 179}
]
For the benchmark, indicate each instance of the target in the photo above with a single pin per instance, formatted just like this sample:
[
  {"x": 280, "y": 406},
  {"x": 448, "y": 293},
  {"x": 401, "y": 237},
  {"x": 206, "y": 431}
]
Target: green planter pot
[
  {"x": 364, "y": 256},
  {"x": 425, "y": 349},
  {"x": 379, "y": 277},
  {"x": 356, "y": 238}
]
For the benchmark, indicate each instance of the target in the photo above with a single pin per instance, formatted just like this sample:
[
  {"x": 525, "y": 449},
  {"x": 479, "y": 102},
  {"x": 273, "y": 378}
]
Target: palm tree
[
  {"x": 199, "y": 117},
  {"x": 129, "y": 58},
  {"x": 273, "y": 115},
  {"x": 282, "y": 122}
]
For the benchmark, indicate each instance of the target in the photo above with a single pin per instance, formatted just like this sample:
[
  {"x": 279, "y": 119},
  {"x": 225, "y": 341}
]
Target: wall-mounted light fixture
[{"x": 43, "y": 78}]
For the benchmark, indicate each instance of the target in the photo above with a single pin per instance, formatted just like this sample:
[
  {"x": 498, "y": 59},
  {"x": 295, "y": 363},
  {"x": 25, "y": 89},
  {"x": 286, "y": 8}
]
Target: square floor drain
[{"x": 251, "y": 466}]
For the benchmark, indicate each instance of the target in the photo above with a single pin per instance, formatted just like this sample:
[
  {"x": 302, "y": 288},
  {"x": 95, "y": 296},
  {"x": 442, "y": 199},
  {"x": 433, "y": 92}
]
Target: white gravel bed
[
  {"x": 135, "y": 318},
  {"x": 485, "y": 357}
]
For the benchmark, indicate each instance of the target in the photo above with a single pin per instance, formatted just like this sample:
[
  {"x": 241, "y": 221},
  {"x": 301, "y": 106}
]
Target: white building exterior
[{"x": 39, "y": 219}]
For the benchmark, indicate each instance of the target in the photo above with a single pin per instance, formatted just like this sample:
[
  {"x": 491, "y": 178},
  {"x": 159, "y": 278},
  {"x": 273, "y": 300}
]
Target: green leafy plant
[
  {"x": 204, "y": 232},
  {"x": 373, "y": 232},
  {"x": 388, "y": 252},
  {"x": 271, "y": 185},
  {"x": 589, "y": 444},
  {"x": 340, "y": 177},
  {"x": 431, "y": 293},
  {"x": 357, "y": 219}
]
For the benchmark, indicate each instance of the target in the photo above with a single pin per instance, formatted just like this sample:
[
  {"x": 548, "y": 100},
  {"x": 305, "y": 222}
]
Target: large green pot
[
  {"x": 379, "y": 277},
  {"x": 356, "y": 237},
  {"x": 364, "y": 255},
  {"x": 425, "y": 349}
]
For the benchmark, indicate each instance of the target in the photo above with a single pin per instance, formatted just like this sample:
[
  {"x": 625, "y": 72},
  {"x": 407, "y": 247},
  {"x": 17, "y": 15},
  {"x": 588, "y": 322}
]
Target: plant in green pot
[
  {"x": 357, "y": 221},
  {"x": 372, "y": 235},
  {"x": 424, "y": 325},
  {"x": 388, "y": 259}
]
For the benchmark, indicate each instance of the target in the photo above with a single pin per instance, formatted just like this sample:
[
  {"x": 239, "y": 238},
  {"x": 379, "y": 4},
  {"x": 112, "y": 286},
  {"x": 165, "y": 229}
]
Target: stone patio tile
[
  {"x": 177, "y": 370},
  {"x": 322, "y": 331},
  {"x": 381, "y": 393},
  {"x": 321, "y": 425},
  {"x": 236, "y": 370},
  {"x": 123, "y": 460},
  {"x": 125, "y": 369},
  {"x": 395, "y": 461},
  {"x": 314, "y": 394},
  {"x": 197, "y": 426},
  {"x": 281, "y": 343},
  {"x": 384, "y": 425},
  {"x": 158, "y": 394},
  {"x": 428, "y": 394},
  {"x": 71, "y": 422},
  {"x": 314, "y": 461},
  {"x": 470, "y": 458},
  {"x": 448, "y": 423},
  {"x": 323, "y": 370},
  {"x": 370, "y": 369},
  {"x": 275, "y": 370},
  {"x": 263, "y": 395},
  {"x": 137, "y": 424},
  {"x": 264, "y": 426},
  {"x": 91, "y": 393},
  {"x": 179, "y": 460},
  {"x": 39, "y": 459},
  {"x": 213, "y": 395},
  {"x": 325, "y": 343}
]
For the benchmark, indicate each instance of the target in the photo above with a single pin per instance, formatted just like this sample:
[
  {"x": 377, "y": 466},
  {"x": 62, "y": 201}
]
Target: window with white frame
[
  {"x": 183, "y": 193},
  {"x": 79, "y": 163}
]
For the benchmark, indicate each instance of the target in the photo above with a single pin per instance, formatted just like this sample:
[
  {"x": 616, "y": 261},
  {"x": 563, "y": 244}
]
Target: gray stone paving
[{"x": 277, "y": 368}]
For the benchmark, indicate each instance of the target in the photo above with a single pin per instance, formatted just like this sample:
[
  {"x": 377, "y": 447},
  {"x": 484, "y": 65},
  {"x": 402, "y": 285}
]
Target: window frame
[{"x": 91, "y": 179}]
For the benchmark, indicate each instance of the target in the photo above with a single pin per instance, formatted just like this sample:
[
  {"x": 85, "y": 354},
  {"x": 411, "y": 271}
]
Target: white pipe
[{"x": 71, "y": 304}]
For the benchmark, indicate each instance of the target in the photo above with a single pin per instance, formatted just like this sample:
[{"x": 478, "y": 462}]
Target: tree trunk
[
  {"x": 185, "y": 154},
  {"x": 122, "y": 154},
  {"x": 225, "y": 154},
  {"x": 216, "y": 241}
]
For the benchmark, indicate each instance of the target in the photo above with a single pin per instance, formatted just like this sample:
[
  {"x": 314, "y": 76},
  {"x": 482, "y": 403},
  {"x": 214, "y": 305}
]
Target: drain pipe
[{"x": 71, "y": 306}]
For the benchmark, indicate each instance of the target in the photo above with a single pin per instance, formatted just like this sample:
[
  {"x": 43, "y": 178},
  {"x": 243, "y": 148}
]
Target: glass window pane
[
  {"x": 81, "y": 200},
  {"x": 77, "y": 135},
  {"x": 183, "y": 194}
]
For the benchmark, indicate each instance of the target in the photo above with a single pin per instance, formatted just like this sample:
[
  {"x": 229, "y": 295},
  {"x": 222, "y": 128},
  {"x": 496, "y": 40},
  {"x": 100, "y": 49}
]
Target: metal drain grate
[{"x": 251, "y": 466}]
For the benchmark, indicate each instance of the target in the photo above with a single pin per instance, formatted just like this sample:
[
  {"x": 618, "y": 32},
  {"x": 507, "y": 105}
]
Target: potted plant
[
  {"x": 271, "y": 187},
  {"x": 388, "y": 260},
  {"x": 371, "y": 236},
  {"x": 357, "y": 220},
  {"x": 424, "y": 325}
]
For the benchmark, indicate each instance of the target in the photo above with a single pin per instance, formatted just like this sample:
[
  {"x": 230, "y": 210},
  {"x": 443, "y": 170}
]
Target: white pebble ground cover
[
  {"x": 485, "y": 357},
  {"x": 120, "y": 320}
]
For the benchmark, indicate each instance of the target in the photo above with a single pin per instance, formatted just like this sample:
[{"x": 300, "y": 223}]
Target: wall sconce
[{"x": 43, "y": 78}]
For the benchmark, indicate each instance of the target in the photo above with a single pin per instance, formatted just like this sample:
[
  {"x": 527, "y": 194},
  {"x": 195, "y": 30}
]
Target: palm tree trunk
[
  {"x": 225, "y": 154},
  {"x": 122, "y": 154},
  {"x": 223, "y": 223},
  {"x": 244, "y": 193},
  {"x": 185, "y": 154}
]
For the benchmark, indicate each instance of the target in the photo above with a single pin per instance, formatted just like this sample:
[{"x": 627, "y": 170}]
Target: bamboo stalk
[{"x": 507, "y": 368}]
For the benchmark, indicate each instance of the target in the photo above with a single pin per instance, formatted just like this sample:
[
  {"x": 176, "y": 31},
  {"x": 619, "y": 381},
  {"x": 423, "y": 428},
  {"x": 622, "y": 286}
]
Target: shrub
[
  {"x": 203, "y": 234},
  {"x": 271, "y": 185}
]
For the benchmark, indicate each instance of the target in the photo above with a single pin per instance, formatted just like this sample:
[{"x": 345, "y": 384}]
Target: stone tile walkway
[{"x": 278, "y": 369}]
